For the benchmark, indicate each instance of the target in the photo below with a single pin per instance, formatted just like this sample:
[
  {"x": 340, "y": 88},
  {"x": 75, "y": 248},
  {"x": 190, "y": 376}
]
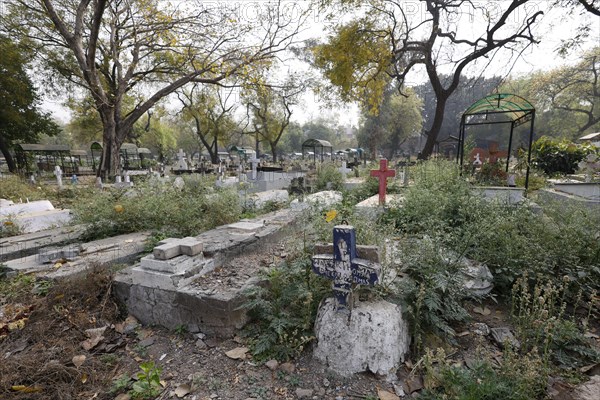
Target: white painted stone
[
  {"x": 246, "y": 226},
  {"x": 376, "y": 338},
  {"x": 26, "y": 208},
  {"x": 259, "y": 199},
  {"x": 478, "y": 280},
  {"x": 229, "y": 181},
  {"x": 5, "y": 203},
  {"x": 172, "y": 266},
  {"x": 179, "y": 184},
  {"x": 510, "y": 195},
  {"x": 35, "y": 216},
  {"x": 321, "y": 200}
]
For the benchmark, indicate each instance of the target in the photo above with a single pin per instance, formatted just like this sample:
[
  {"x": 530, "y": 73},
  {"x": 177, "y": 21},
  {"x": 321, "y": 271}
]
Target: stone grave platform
[
  {"x": 33, "y": 216},
  {"x": 370, "y": 207},
  {"x": 58, "y": 262},
  {"x": 570, "y": 191},
  {"x": 21, "y": 246},
  {"x": 203, "y": 289}
]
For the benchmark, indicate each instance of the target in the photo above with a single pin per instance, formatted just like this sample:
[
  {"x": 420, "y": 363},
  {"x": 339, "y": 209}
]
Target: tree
[
  {"x": 20, "y": 118},
  {"x": 210, "y": 110},
  {"x": 269, "y": 109},
  {"x": 435, "y": 42},
  {"x": 572, "y": 90},
  {"x": 397, "y": 119},
  {"x": 469, "y": 90},
  {"x": 156, "y": 133},
  {"x": 147, "y": 49}
]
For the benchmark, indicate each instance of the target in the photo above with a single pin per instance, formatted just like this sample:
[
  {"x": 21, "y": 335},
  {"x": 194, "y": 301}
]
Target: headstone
[
  {"x": 170, "y": 248},
  {"x": 32, "y": 179},
  {"x": 128, "y": 179},
  {"x": 181, "y": 162},
  {"x": 344, "y": 170},
  {"x": 74, "y": 180},
  {"x": 344, "y": 267},
  {"x": 254, "y": 161},
  {"x": 99, "y": 183},
  {"x": 58, "y": 173},
  {"x": 382, "y": 174},
  {"x": 179, "y": 183},
  {"x": 118, "y": 179},
  {"x": 477, "y": 162}
]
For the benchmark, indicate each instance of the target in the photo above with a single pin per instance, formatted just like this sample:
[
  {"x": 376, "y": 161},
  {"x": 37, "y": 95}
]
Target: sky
[{"x": 555, "y": 25}]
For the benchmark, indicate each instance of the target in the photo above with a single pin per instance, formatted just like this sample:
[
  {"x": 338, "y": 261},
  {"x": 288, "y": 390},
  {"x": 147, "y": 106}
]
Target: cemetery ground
[{"x": 535, "y": 336}]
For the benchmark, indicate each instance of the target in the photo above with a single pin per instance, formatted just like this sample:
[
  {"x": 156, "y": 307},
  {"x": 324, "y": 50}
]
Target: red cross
[{"x": 382, "y": 174}]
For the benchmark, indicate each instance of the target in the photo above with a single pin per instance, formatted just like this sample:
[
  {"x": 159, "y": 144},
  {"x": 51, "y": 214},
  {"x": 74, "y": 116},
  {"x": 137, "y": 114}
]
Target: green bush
[
  {"x": 196, "y": 208},
  {"x": 329, "y": 174},
  {"x": 558, "y": 156},
  {"x": 283, "y": 310}
]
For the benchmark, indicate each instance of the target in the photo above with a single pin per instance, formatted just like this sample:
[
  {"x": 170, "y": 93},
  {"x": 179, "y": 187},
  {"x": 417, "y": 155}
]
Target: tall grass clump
[{"x": 160, "y": 208}]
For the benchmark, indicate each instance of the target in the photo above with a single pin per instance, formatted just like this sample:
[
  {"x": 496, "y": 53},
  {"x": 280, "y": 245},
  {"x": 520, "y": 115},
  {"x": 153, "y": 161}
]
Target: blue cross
[{"x": 344, "y": 267}]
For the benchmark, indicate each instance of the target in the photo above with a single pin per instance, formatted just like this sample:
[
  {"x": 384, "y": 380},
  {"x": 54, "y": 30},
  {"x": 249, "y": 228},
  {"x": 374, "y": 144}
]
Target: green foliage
[
  {"x": 20, "y": 118},
  {"x": 542, "y": 323},
  {"x": 433, "y": 294},
  {"x": 283, "y": 309},
  {"x": 162, "y": 208},
  {"x": 328, "y": 173},
  {"x": 511, "y": 240},
  {"x": 120, "y": 384},
  {"x": 558, "y": 156},
  {"x": 148, "y": 384},
  {"x": 522, "y": 378}
]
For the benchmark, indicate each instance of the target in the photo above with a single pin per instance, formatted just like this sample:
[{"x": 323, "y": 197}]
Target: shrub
[
  {"x": 162, "y": 208},
  {"x": 558, "y": 156},
  {"x": 283, "y": 310},
  {"x": 329, "y": 174}
]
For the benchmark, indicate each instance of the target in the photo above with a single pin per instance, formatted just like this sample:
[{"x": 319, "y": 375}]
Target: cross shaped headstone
[
  {"x": 58, "y": 173},
  {"x": 254, "y": 162},
  {"x": 181, "y": 163},
  {"x": 344, "y": 169},
  {"x": 344, "y": 267},
  {"x": 170, "y": 248},
  {"x": 382, "y": 174}
]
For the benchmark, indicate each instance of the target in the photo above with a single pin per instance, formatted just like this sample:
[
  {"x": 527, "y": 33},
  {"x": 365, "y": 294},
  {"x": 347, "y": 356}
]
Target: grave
[
  {"x": 21, "y": 246},
  {"x": 356, "y": 337},
  {"x": 34, "y": 216},
  {"x": 321, "y": 200},
  {"x": 57, "y": 262},
  {"x": 182, "y": 165},
  {"x": 382, "y": 174},
  {"x": 203, "y": 289}
]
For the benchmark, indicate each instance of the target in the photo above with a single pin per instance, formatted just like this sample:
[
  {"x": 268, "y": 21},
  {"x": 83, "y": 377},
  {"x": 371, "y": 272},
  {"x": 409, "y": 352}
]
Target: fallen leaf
[
  {"x": 182, "y": 390},
  {"x": 123, "y": 396},
  {"x": 26, "y": 389},
  {"x": 78, "y": 360},
  {"x": 84, "y": 378},
  {"x": 239, "y": 353},
  {"x": 95, "y": 337},
  {"x": 385, "y": 395},
  {"x": 482, "y": 311},
  {"x": 463, "y": 333}
]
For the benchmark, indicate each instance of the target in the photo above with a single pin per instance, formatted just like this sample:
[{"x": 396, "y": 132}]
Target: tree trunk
[
  {"x": 434, "y": 131},
  {"x": 274, "y": 151},
  {"x": 10, "y": 161},
  {"x": 111, "y": 145}
]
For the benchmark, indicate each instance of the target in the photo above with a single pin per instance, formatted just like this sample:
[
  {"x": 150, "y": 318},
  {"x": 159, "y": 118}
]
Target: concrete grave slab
[
  {"x": 170, "y": 248},
  {"x": 246, "y": 225}
]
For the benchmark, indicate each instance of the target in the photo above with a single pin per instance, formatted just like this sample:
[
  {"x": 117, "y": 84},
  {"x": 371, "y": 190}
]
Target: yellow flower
[
  {"x": 330, "y": 215},
  {"x": 119, "y": 208}
]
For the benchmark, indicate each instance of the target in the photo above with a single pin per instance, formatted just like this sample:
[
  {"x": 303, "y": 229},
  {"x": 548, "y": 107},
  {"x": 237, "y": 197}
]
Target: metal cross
[{"x": 344, "y": 267}]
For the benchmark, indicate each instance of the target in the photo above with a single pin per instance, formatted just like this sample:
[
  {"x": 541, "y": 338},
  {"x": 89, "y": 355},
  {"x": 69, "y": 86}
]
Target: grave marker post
[
  {"x": 382, "y": 174},
  {"x": 344, "y": 267},
  {"x": 58, "y": 173}
]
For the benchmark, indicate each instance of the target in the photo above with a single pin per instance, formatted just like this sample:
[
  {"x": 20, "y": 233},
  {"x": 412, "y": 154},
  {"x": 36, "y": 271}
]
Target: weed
[
  {"x": 140, "y": 350},
  {"x": 120, "y": 384},
  {"x": 258, "y": 392},
  {"x": 539, "y": 311},
  {"x": 283, "y": 310},
  {"x": 148, "y": 384},
  {"x": 109, "y": 359},
  {"x": 181, "y": 330}
]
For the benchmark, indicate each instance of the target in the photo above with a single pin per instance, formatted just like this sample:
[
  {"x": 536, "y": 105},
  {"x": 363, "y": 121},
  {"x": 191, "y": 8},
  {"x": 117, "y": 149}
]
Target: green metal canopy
[
  {"x": 499, "y": 108},
  {"x": 510, "y": 105}
]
